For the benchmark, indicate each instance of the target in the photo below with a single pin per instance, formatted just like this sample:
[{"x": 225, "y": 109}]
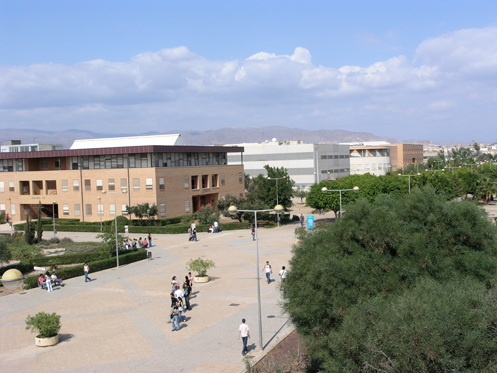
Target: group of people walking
[{"x": 180, "y": 300}]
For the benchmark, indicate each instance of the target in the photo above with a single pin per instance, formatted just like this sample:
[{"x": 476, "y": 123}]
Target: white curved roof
[{"x": 118, "y": 142}]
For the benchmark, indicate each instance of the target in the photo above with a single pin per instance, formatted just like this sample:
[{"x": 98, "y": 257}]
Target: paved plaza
[{"x": 118, "y": 322}]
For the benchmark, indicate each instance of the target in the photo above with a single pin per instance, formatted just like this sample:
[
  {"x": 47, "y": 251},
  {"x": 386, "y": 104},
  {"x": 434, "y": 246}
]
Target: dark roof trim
[{"x": 124, "y": 150}]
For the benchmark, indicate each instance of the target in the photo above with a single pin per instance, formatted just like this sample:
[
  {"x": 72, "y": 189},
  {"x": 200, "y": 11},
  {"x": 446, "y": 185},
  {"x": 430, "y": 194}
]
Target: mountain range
[{"x": 209, "y": 137}]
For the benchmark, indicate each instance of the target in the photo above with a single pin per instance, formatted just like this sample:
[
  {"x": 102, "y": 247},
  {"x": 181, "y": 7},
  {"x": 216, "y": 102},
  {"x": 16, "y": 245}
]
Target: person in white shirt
[
  {"x": 244, "y": 332},
  {"x": 216, "y": 227},
  {"x": 268, "y": 270},
  {"x": 56, "y": 280},
  {"x": 283, "y": 277}
]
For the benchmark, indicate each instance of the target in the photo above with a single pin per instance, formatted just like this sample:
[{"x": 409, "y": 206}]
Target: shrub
[
  {"x": 29, "y": 232},
  {"x": 200, "y": 266},
  {"x": 2, "y": 218},
  {"x": 23, "y": 251},
  {"x": 46, "y": 325}
]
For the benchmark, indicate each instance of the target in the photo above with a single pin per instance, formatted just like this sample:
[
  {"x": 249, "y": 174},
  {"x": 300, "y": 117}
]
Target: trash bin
[
  {"x": 126, "y": 229},
  {"x": 149, "y": 255}
]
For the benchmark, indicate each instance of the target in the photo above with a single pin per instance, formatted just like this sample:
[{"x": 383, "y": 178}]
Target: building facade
[
  {"x": 372, "y": 159},
  {"x": 405, "y": 154},
  {"x": 306, "y": 163},
  {"x": 71, "y": 183}
]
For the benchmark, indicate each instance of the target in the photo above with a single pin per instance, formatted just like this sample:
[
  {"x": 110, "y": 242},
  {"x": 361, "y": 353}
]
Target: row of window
[
  {"x": 335, "y": 156},
  {"x": 144, "y": 160},
  {"x": 11, "y": 186},
  {"x": 100, "y": 209},
  {"x": 372, "y": 167},
  {"x": 12, "y": 209},
  {"x": 335, "y": 171},
  {"x": 192, "y": 182},
  {"x": 370, "y": 153}
]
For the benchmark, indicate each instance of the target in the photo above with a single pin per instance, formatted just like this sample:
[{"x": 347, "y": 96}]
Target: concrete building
[
  {"x": 15, "y": 146},
  {"x": 372, "y": 159},
  {"x": 306, "y": 163},
  {"x": 179, "y": 179}
]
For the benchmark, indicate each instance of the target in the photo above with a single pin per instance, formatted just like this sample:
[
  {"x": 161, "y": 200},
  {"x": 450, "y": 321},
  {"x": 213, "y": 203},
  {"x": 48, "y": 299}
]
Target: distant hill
[{"x": 213, "y": 137}]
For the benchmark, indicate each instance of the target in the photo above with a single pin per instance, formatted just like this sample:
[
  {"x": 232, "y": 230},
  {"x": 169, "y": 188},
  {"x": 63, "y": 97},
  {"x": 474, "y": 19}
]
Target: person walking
[
  {"x": 253, "y": 234},
  {"x": 175, "y": 317},
  {"x": 301, "y": 221},
  {"x": 282, "y": 274},
  {"x": 86, "y": 268},
  {"x": 187, "y": 289},
  {"x": 216, "y": 227},
  {"x": 268, "y": 270},
  {"x": 149, "y": 240},
  {"x": 244, "y": 332},
  {"x": 195, "y": 234}
]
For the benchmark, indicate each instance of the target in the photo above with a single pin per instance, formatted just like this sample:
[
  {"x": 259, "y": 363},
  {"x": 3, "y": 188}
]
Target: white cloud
[{"x": 180, "y": 89}]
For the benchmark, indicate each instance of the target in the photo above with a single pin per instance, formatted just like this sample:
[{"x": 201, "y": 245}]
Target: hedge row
[{"x": 95, "y": 266}]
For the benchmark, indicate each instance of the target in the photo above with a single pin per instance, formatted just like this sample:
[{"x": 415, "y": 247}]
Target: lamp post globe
[{"x": 12, "y": 279}]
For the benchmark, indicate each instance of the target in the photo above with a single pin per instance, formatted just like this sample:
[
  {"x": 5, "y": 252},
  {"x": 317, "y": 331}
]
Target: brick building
[{"x": 160, "y": 170}]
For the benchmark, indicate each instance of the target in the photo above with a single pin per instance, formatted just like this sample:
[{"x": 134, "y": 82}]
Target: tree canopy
[{"x": 373, "y": 261}]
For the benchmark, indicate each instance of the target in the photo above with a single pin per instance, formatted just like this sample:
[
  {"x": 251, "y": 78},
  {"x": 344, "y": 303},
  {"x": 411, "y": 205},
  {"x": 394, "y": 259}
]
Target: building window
[
  {"x": 205, "y": 181},
  {"x": 367, "y": 167},
  {"x": 187, "y": 206},
  {"x": 65, "y": 209},
  {"x": 77, "y": 210},
  {"x": 112, "y": 209},
  {"x": 112, "y": 185},
  {"x": 44, "y": 164},
  {"x": 13, "y": 209},
  {"x": 124, "y": 209},
  {"x": 100, "y": 209},
  {"x": 87, "y": 185},
  {"x": 2, "y": 208},
  {"x": 11, "y": 186},
  {"x": 222, "y": 179},
  {"x": 187, "y": 183},
  {"x": 194, "y": 182},
  {"x": 2, "y": 186},
  {"x": 163, "y": 209},
  {"x": 88, "y": 209},
  {"x": 240, "y": 178},
  {"x": 100, "y": 185},
  {"x": 215, "y": 181},
  {"x": 124, "y": 185},
  {"x": 161, "y": 183},
  {"x": 75, "y": 185},
  {"x": 57, "y": 164},
  {"x": 149, "y": 184},
  {"x": 65, "y": 187},
  {"x": 136, "y": 184}
]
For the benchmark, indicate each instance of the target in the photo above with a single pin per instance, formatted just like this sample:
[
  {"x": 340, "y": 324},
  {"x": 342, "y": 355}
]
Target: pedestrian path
[{"x": 118, "y": 321}]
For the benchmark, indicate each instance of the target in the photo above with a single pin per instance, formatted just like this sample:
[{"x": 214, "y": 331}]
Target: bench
[{"x": 54, "y": 284}]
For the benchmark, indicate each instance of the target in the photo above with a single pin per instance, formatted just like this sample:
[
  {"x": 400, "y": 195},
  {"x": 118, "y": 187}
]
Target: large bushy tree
[
  {"x": 265, "y": 188},
  {"x": 382, "y": 249}
]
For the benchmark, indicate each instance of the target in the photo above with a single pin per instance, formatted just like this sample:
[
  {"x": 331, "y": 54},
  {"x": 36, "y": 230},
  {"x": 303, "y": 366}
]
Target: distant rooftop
[
  {"x": 366, "y": 143},
  {"x": 118, "y": 142}
]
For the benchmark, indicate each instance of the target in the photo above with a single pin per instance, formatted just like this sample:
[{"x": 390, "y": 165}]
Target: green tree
[
  {"x": 29, "y": 232},
  {"x": 266, "y": 188},
  {"x": 382, "y": 249},
  {"x": 242, "y": 203},
  {"x": 247, "y": 179},
  {"x": 300, "y": 193},
  {"x": 5, "y": 254},
  {"x": 108, "y": 237},
  {"x": 39, "y": 226},
  {"x": 207, "y": 215}
]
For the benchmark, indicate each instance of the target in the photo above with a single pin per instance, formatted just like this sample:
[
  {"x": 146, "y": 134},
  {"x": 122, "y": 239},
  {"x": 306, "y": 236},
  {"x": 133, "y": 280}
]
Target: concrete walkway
[{"x": 118, "y": 322}]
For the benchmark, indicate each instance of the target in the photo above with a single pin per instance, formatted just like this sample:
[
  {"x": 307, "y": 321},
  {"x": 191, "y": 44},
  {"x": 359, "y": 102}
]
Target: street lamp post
[
  {"x": 124, "y": 191},
  {"x": 326, "y": 190},
  {"x": 277, "y": 202},
  {"x": 100, "y": 213},
  {"x": 278, "y": 209},
  {"x": 409, "y": 176},
  {"x": 10, "y": 212},
  {"x": 53, "y": 217}
]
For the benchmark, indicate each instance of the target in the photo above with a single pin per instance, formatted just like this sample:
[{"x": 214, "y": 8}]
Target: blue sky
[{"x": 401, "y": 69}]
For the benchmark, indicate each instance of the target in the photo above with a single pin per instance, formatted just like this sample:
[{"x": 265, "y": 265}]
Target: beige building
[
  {"x": 405, "y": 154},
  {"x": 369, "y": 159},
  {"x": 70, "y": 183}
]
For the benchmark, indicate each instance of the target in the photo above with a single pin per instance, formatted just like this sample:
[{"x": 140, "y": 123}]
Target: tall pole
[
  {"x": 258, "y": 283},
  {"x": 340, "y": 203},
  {"x": 100, "y": 213},
  {"x": 115, "y": 223},
  {"x": 53, "y": 215},
  {"x": 277, "y": 215}
]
